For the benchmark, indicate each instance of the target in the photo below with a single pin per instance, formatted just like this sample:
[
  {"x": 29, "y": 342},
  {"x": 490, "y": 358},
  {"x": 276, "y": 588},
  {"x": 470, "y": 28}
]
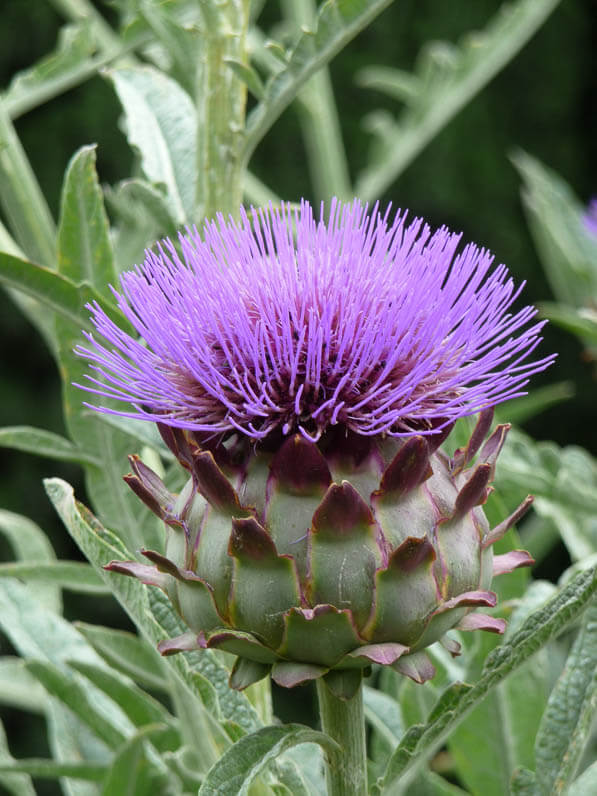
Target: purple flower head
[
  {"x": 590, "y": 216},
  {"x": 284, "y": 323}
]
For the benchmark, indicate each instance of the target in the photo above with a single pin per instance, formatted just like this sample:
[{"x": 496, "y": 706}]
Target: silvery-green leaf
[
  {"x": 570, "y": 712},
  {"x": 71, "y": 575},
  {"x": 71, "y": 741},
  {"x": 129, "y": 654},
  {"x": 420, "y": 741},
  {"x": 85, "y": 255},
  {"x": 30, "y": 543},
  {"x": 18, "y": 688},
  {"x": 161, "y": 125},
  {"x": 134, "y": 771},
  {"x": 43, "y": 443},
  {"x": 150, "y": 610},
  {"x": 238, "y": 767}
]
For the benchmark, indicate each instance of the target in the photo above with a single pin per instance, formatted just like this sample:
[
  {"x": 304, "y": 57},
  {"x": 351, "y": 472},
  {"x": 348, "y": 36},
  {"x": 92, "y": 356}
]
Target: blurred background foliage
[{"x": 544, "y": 102}]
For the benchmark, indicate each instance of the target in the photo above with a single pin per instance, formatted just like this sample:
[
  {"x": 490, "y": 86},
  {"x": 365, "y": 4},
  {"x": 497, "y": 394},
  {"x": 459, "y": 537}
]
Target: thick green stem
[
  {"x": 344, "y": 721},
  {"x": 221, "y": 99},
  {"x": 260, "y": 696}
]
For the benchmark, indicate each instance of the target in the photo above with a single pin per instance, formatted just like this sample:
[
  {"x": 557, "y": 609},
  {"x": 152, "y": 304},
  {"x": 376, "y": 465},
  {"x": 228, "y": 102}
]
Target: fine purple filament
[{"x": 285, "y": 322}]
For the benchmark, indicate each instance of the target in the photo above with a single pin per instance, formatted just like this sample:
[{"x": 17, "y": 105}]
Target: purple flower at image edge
[
  {"x": 283, "y": 323},
  {"x": 590, "y": 216}
]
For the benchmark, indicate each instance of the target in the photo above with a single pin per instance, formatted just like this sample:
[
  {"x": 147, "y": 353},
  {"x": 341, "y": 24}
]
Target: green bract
[{"x": 319, "y": 558}]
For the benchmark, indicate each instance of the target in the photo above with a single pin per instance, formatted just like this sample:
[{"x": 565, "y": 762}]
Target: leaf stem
[
  {"x": 344, "y": 721},
  {"x": 221, "y": 99}
]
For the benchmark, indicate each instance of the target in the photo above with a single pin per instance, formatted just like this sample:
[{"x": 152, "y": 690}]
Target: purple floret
[{"x": 284, "y": 323}]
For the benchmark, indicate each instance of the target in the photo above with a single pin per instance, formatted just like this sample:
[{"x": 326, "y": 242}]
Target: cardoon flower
[
  {"x": 305, "y": 372},
  {"x": 590, "y": 217}
]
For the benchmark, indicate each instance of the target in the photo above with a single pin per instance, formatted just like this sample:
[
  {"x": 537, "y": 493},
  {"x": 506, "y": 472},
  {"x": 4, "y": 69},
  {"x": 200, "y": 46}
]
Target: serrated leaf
[
  {"x": 47, "y": 640},
  {"x": 15, "y": 783},
  {"x": 127, "y": 653},
  {"x": 570, "y": 712},
  {"x": 43, "y": 443},
  {"x": 26, "y": 89},
  {"x": 338, "y": 21},
  {"x": 161, "y": 125},
  {"x": 203, "y": 737},
  {"x": 149, "y": 609},
  {"x": 71, "y": 575},
  {"x": 239, "y": 766},
  {"x": 447, "y": 78},
  {"x": 421, "y": 741}
]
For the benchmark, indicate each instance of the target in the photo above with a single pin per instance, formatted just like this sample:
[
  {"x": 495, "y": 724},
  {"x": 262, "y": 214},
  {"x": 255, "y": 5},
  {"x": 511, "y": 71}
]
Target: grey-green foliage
[
  {"x": 566, "y": 245},
  {"x": 422, "y": 740},
  {"x": 106, "y": 733},
  {"x": 446, "y": 78},
  {"x": 566, "y": 726},
  {"x": 564, "y": 482}
]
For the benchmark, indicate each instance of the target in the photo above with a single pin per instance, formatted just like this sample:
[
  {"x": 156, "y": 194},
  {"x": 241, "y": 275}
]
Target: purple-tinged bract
[{"x": 284, "y": 323}]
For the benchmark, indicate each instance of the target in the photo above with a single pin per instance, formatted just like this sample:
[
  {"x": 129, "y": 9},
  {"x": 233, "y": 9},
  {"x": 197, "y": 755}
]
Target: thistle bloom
[
  {"x": 372, "y": 324},
  {"x": 305, "y": 372}
]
